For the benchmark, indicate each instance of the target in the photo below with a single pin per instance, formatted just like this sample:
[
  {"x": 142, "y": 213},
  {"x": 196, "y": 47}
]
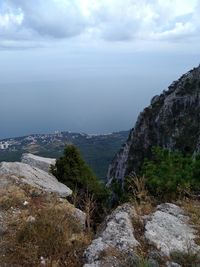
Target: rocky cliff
[{"x": 171, "y": 121}]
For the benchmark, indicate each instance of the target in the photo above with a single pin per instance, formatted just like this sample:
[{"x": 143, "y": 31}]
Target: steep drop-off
[{"x": 171, "y": 121}]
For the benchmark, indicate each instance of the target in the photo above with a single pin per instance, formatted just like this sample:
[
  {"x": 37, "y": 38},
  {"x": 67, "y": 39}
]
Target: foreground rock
[
  {"x": 38, "y": 162},
  {"x": 168, "y": 229},
  {"x": 165, "y": 236},
  {"x": 35, "y": 177},
  {"x": 117, "y": 234}
]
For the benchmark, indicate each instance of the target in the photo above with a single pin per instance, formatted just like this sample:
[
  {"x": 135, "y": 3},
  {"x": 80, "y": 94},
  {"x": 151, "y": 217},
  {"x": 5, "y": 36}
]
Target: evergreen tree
[{"x": 72, "y": 170}]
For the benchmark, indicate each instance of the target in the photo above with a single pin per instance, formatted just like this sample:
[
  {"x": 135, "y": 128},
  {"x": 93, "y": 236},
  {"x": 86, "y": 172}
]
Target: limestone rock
[
  {"x": 80, "y": 215},
  {"x": 35, "y": 177},
  {"x": 169, "y": 230},
  {"x": 117, "y": 233},
  {"x": 38, "y": 162}
]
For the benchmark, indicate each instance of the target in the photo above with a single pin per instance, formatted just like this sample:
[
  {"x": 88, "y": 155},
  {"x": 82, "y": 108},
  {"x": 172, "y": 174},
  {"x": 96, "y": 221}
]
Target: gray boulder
[
  {"x": 38, "y": 162},
  {"x": 117, "y": 233},
  {"x": 35, "y": 177},
  {"x": 169, "y": 230}
]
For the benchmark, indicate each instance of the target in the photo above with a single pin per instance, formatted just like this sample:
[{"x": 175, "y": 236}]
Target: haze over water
[
  {"x": 65, "y": 65},
  {"x": 101, "y": 101}
]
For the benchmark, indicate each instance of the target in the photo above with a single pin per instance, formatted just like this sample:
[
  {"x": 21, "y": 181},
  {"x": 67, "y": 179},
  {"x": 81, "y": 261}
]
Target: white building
[{"x": 4, "y": 145}]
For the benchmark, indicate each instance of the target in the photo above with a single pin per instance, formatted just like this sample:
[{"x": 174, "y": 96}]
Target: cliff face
[{"x": 171, "y": 121}]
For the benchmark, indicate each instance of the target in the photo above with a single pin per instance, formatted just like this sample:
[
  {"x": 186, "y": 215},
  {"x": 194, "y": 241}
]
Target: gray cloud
[
  {"x": 114, "y": 20},
  {"x": 58, "y": 20}
]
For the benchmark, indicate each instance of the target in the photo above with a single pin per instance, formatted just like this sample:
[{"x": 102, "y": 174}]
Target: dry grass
[
  {"x": 144, "y": 208},
  {"x": 192, "y": 208},
  {"x": 55, "y": 234},
  {"x": 137, "y": 188},
  {"x": 116, "y": 258},
  {"x": 13, "y": 196}
]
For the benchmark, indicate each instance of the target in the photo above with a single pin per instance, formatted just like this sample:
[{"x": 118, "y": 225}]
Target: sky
[{"x": 90, "y": 65}]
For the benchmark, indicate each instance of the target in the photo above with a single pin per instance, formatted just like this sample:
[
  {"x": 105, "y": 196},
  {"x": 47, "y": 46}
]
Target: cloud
[
  {"x": 111, "y": 20},
  {"x": 150, "y": 20},
  {"x": 52, "y": 18},
  {"x": 10, "y": 22}
]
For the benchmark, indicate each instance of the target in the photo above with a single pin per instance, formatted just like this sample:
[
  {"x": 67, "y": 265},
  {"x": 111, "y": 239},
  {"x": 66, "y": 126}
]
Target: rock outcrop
[
  {"x": 169, "y": 230},
  {"x": 38, "y": 162},
  {"x": 35, "y": 177},
  {"x": 126, "y": 235},
  {"x": 172, "y": 121},
  {"x": 117, "y": 234}
]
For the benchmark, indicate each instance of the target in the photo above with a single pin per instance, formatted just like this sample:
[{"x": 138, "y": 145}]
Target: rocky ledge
[
  {"x": 24, "y": 173},
  {"x": 161, "y": 235},
  {"x": 38, "y": 162}
]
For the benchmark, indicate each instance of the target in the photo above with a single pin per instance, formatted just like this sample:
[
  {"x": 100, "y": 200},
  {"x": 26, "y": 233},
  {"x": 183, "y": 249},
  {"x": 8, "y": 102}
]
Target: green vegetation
[
  {"x": 166, "y": 175},
  {"x": 72, "y": 170},
  {"x": 171, "y": 173},
  {"x": 97, "y": 150},
  {"x": 90, "y": 194}
]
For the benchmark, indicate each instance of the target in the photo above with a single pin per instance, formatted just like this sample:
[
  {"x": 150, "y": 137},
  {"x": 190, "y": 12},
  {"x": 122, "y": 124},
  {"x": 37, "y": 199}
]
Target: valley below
[{"x": 97, "y": 150}]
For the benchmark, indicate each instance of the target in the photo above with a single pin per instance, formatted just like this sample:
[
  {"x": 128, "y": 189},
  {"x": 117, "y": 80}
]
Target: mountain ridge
[{"x": 171, "y": 121}]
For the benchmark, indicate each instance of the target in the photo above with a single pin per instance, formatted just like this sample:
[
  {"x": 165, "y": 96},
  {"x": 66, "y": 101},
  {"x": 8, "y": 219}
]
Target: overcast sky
[{"x": 90, "y": 65}]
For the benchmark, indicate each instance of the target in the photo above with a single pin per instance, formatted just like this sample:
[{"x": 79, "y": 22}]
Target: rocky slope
[
  {"x": 164, "y": 237},
  {"x": 38, "y": 227},
  {"x": 171, "y": 121}
]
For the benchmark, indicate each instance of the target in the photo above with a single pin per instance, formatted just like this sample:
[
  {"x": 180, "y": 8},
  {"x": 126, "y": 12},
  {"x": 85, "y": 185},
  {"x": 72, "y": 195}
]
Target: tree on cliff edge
[{"x": 72, "y": 170}]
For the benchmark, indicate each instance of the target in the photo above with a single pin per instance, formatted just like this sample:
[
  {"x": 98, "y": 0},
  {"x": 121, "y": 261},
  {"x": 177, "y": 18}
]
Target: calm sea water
[{"x": 98, "y": 105}]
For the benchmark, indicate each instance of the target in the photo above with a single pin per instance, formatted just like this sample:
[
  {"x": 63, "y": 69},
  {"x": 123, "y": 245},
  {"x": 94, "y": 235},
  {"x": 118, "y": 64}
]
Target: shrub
[{"x": 169, "y": 173}]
